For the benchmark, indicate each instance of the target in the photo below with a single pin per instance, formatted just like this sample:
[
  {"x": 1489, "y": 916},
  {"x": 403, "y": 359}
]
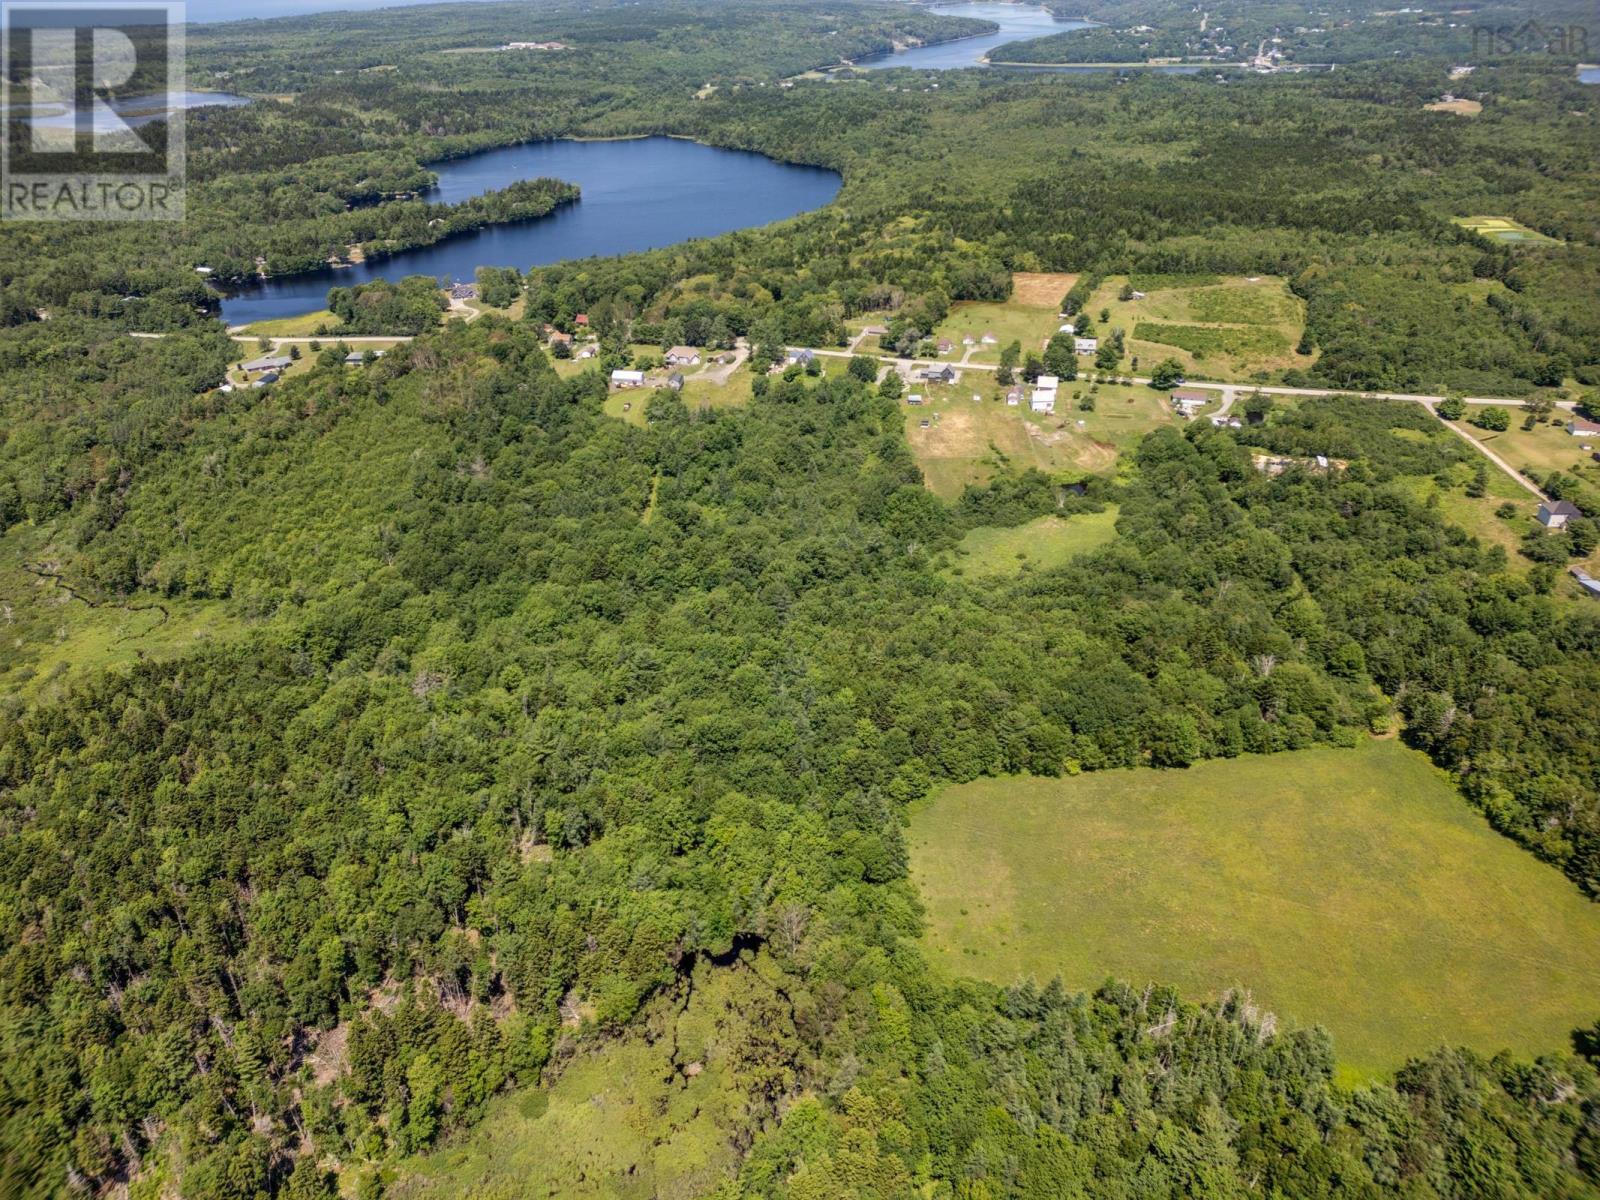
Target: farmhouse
[
  {"x": 945, "y": 345},
  {"x": 464, "y": 291},
  {"x": 683, "y": 356},
  {"x": 267, "y": 362},
  {"x": 989, "y": 339},
  {"x": 799, "y": 356},
  {"x": 1085, "y": 345},
  {"x": 627, "y": 379},
  {"x": 1582, "y": 427},
  {"x": 941, "y": 374},
  {"x": 968, "y": 340},
  {"x": 1188, "y": 400},
  {"x": 581, "y": 320},
  {"x": 1556, "y": 515},
  {"x": 1044, "y": 394},
  {"x": 557, "y": 338}
]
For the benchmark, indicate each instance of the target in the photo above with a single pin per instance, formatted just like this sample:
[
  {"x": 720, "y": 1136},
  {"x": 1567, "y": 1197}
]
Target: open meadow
[
  {"x": 1354, "y": 889},
  {"x": 1218, "y": 328},
  {"x": 991, "y": 551}
]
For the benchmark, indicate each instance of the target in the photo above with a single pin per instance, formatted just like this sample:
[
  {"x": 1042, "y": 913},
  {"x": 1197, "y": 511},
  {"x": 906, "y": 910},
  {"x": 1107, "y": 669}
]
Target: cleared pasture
[{"x": 1352, "y": 888}]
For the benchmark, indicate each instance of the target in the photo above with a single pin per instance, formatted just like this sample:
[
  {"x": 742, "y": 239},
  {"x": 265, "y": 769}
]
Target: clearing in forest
[
  {"x": 1503, "y": 229},
  {"x": 970, "y": 442},
  {"x": 1045, "y": 542},
  {"x": 1218, "y": 328},
  {"x": 654, "y": 1112},
  {"x": 1041, "y": 289},
  {"x": 1354, "y": 889}
]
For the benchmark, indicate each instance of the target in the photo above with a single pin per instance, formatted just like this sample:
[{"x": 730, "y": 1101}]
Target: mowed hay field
[
  {"x": 1218, "y": 328},
  {"x": 1041, "y": 289},
  {"x": 1349, "y": 888}
]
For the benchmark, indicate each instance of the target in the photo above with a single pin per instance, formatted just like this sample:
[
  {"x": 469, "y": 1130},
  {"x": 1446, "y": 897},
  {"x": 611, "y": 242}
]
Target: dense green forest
[{"x": 512, "y": 718}]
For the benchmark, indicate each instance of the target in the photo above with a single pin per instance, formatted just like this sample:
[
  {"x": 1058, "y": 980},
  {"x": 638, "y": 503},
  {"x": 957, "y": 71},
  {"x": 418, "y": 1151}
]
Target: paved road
[
  {"x": 1231, "y": 392},
  {"x": 326, "y": 339}
]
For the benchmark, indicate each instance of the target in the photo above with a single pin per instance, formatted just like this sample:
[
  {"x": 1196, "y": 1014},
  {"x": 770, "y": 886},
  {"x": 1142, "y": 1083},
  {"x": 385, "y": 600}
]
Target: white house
[
  {"x": 1043, "y": 399},
  {"x": 1085, "y": 345},
  {"x": 683, "y": 356},
  {"x": 1582, "y": 427},
  {"x": 627, "y": 379},
  {"x": 1556, "y": 515}
]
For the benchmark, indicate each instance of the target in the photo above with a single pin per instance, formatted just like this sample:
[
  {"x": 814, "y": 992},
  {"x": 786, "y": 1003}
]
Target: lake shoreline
[{"x": 637, "y": 192}]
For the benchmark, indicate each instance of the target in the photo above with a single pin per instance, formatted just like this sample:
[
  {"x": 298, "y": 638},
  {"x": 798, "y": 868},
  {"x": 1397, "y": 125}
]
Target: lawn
[
  {"x": 1009, "y": 322},
  {"x": 971, "y": 441},
  {"x": 1354, "y": 889},
  {"x": 1225, "y": 329},
  {"x": 1039, "y": 545},
  {"x": 1545, "y": 447},
  {"x": 309, "y": 324}
]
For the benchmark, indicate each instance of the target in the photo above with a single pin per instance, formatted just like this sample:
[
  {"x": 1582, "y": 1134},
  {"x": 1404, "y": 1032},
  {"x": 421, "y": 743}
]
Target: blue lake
[
  {"x": 638, "y": 194},
  {"x": 1016, "y": 21}
]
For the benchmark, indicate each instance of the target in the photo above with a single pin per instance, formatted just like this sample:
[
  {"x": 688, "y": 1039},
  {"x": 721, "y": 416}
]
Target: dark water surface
[{"x": 638, "y": 194}]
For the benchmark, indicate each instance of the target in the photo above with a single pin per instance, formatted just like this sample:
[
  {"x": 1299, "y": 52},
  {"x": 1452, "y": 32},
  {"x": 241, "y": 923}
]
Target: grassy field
[
  {"x": 1545, "y": 447},
  {"x": 1009, "y": 322},
  {"x": 1503, "y": 229},
  {"x": 1349, "y": 888},
  {"x": 969, "y": 441},
  {"x": 1477, "y": 514},
  {"x": 309, "y": 324},
  {"x": 650, "y": 1115},
  {"x": 1461, "y": 108},
  {"x": 1038, "y": 545},
  {"x": 698, "y": 393},
  {"x": 1041, "y": 289},
  {"x": 1217, "y": 328}
]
